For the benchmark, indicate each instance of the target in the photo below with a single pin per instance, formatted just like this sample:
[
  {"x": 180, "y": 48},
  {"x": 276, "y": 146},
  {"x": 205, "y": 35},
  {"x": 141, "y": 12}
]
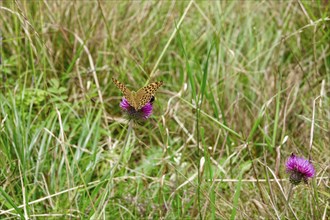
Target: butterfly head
[{"x": 152, "y": 99}]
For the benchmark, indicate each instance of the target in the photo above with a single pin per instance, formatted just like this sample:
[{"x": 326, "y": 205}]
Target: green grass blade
[{"x": 11, "y": 202}]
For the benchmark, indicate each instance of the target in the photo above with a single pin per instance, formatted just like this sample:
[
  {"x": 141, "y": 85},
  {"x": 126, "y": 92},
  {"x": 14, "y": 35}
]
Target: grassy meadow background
[{"x": 246, "y": 83}]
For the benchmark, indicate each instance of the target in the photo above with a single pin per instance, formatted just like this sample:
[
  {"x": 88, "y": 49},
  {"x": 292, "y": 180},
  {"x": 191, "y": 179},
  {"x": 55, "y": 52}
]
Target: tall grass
[{"x": 246, "y": 83}]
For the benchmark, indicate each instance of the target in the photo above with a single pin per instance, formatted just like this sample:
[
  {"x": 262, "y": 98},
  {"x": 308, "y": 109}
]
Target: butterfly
[{"x": 140, "y": 98}]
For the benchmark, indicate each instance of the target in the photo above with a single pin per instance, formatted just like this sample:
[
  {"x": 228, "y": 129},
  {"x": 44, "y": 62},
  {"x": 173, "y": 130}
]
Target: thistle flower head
[
  {"x": 299, "y": 169},
  {"x": 141, "y": 114}
]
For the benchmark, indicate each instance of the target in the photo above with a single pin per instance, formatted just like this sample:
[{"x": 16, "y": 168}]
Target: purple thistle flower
[
  {"x": 141, "y": 114},
  {"x": 299, "y": 169}
]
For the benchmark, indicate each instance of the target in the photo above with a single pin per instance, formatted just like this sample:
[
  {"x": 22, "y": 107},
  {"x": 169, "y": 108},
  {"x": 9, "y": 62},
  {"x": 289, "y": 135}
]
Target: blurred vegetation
[{"x": 242, "y": 81}]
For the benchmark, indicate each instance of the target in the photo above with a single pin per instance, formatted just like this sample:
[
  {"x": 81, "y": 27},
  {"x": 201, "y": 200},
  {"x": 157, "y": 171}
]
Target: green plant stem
[
  {"x": 289, "y": 195},
  {"x": 288, "y": 201},
  {"x": 129, "y": 130},
  {"x": 114, "y": 169}
]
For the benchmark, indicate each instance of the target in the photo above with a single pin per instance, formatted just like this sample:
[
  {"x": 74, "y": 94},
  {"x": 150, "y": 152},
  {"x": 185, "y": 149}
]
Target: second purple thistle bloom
[
  {"x": 300, "y": 169},
  {"x": 141, "y": 114}
]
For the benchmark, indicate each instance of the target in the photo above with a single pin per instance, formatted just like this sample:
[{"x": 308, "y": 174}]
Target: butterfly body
[{"x": 140, "y": 98}]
